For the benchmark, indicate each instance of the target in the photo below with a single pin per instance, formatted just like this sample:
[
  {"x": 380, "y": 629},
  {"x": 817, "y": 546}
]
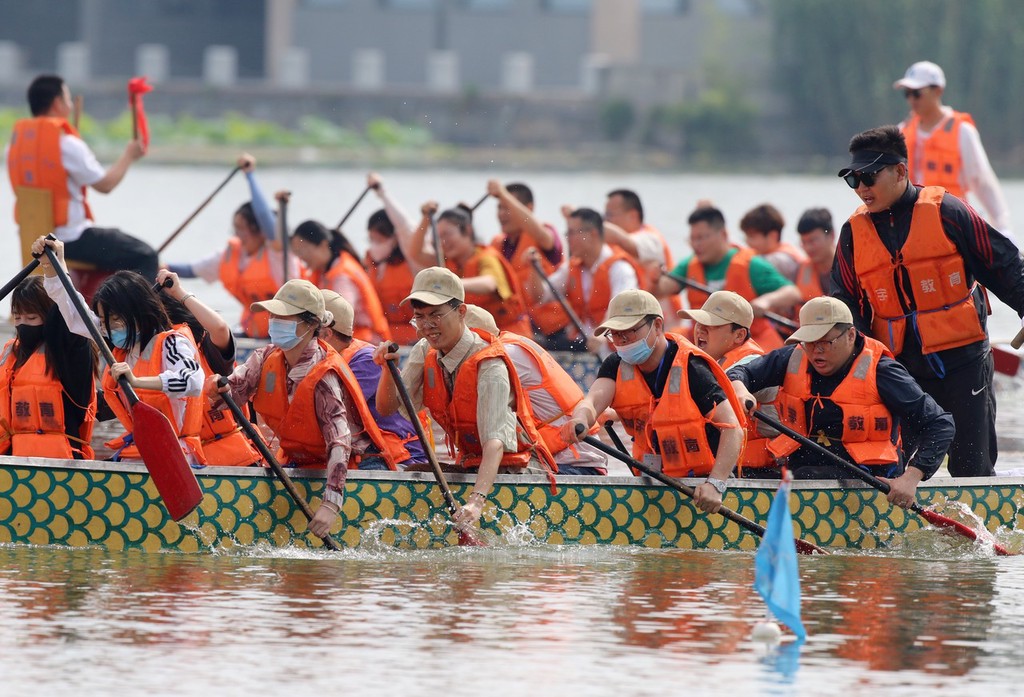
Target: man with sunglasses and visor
[
  {"x": 845, "y": 391},
  {"x": 944, "y": 147},
  {"x": 673, "y": 399},
  {"x": 910, "y": 264}
]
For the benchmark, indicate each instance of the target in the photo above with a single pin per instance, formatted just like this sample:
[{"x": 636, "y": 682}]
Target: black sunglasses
[
  {"x": 854, "y": 179},
  {"x": 916, "y": 94}
]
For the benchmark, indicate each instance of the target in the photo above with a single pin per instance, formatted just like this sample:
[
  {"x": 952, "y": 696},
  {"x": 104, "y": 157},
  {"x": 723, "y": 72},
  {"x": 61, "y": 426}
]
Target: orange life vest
[
  {"x": 651, "y": 273},
  {"x": 808, "y": 282},
  {"x": 509, "y": 314},
  {"x": 150, "y": 364},
  {"x": 591, "y": 309},
  {"x": 755, "y": 451},
  {"x": 939, "y": 300},
  {"x": 347, "y": 266},
  {"x": 549, "y": 317},
  {"x": 224, "y": 442},
  {"x": 455, "y": 412},
  {"x": 32, "y": 411},
  {"x": 34, "y": 161},
  {"x": 675, "y": 418},
  {"x": 390, "y": 444},
  {"x": 940, "y": 162},
  {"x": 393, "y": 283},
  {"x": 252, "y": 285},
  {"x": 867, "y": 423},
  {"x": 737, "y": 279}
]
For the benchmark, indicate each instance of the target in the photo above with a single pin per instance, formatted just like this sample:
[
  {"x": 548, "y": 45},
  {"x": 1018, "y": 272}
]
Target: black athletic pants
[{"x": 110, "y": 249}]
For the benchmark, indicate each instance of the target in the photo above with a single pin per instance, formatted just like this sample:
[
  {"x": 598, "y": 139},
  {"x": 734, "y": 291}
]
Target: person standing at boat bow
[
  {"x": 673, "y": 399},
  {"x": 467, "y": 381},
  {"x": 910, "y": 265},
  {"x": 846, "y": 391}
]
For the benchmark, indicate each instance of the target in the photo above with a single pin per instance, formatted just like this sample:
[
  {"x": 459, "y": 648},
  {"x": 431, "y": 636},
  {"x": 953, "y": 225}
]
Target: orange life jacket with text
[
  {"x": 346, "y": 265},
  {"x": 556, "y": 382},
  {"x": 509, "y": 314},
  {"x": 675, "y": 418},
  {"x": 150, "y": 364},
  {"x": 224, "y": 442},
  {"x": 393, "y": 283},
  {"x": 32, "y": 411},
  {"x": 938, "y": 300},
  {"x": 549, "y": 317},
  {"x": 390, "y": 444},
  {"x": 252, "y": 285},
  {"x": 808, "y": 281},
  {"x": 592, "y": 309},
  {"x": 940, "y": 163},
  {"x": 867, "y": 423},
  {"x": 755, "y": 451},
  {"x": 34, "y": 161},
  {"x": 455, "y": 412},
  {"x": 737, "y": 279}
]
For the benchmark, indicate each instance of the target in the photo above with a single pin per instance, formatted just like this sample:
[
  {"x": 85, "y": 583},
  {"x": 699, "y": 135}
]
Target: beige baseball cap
[
  {"x": 436, "y": 286},
  {"x": 818, "y": 317},
  {"x": 293, "y": 298},
  {"x": 722, "y": 307},
  {"x": 344, "y": 315},
  {"x": 479, "y": 318},
  {"x": 628, "y": 309}
]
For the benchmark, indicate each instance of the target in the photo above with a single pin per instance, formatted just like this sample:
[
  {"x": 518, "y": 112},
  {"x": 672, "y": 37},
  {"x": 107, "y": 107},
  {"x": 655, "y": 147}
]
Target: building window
[
  {"x": 665, "y": 7},
  {"x": 568, "y": 7}
]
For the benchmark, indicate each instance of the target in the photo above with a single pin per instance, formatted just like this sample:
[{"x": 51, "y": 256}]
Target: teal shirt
[{"x": 764, "y": 277}]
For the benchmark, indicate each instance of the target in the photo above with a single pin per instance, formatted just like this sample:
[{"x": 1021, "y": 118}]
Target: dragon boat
[{"x": 115, "y": 506}]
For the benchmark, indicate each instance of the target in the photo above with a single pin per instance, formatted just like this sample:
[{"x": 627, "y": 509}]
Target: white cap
[{"x": 921, "y": 74}]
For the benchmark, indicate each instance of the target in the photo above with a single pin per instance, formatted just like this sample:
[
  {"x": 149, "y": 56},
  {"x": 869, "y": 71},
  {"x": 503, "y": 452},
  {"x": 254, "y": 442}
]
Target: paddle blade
[
  {"x": 470, "y": 539},
  {"x": 941, "y": 521},
  {"x": 1005, "y": 362},
  {"x": 161, "y": 451}
]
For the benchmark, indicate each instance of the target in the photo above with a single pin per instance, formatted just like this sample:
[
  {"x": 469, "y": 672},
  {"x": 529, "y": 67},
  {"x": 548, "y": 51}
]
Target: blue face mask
[
  {"x": 636, "y": 352},
  {"x": 282, "y": 333},
  {"x": 119, "y": 337}
]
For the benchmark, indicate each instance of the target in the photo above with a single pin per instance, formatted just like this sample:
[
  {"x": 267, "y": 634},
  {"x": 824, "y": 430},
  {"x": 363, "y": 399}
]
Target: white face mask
[{"x": 379, "y": 251}]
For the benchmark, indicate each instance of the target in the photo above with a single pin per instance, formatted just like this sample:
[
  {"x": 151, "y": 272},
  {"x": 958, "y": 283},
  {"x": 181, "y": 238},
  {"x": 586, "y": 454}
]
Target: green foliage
[
  {"x": 719, "y": 125},
  {"x": 616, "y": 118}
]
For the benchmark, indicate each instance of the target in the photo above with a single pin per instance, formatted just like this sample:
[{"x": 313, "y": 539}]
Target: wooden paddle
[
  {"x": 467, "y": 536},
  {"x": 282, "y": 213},
  {"x": 802, "y": 546},
  {"x": 18, "y": 278},
  {"x": 479, "y": 203},
  {"x": 436, "y": 240},
  {"x": 197, "y": 211},
  {"x": 573, "y": 317},
  {"x": 932, "y": 517},
  {"x": 254, "y": 437},
  {"x": 609, "y": 427},
  {"x": 152, "y": 432},
  {"x": 775, "y": 317},
  {"x": 76, "y": 110},
  {"x": 352, "y": 210}
]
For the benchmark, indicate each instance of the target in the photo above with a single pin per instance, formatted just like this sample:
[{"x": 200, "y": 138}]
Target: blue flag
[{"x": 776, "y": 576}]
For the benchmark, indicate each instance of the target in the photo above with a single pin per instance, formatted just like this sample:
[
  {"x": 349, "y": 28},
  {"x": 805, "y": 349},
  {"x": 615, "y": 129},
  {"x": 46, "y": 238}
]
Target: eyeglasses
[
  {"x": 855, "y": 179},
  {"x": 430, "y": 322},
  {"x": 914, "y": 94},
  {"x": 822, "y": 345},
  {"x": 626, "y": 336}
]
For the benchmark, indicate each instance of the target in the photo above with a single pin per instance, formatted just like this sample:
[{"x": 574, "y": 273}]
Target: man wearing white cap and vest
[
  {"x": 673, "y": 399},
  {"x": 467, "y": 382},
  {"x": 393, "y": 441},
  {"x": 845, "y": 391},
  {"x": 944, "y": 146},
  {"x": 296, "y": 386},
  {"x": 722, "y": 330}
]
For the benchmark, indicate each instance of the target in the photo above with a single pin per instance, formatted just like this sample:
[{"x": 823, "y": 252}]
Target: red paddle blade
[
  {"x": 942, "y": 521},
  {"x": 469, "y": 539},
  {"x": 805, "y": 547},
  {"x": 161, "y": 451},
  {"x": 1006, "y": 362}
]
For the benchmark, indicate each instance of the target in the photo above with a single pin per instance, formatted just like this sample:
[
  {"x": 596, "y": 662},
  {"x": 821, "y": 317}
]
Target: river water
[{"x": 930, "y": 615}]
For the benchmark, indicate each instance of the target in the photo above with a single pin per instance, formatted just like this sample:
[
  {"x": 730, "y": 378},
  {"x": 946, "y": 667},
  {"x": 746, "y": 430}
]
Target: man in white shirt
[
  {"x": 944, "y": 146},
  {"x": 46, "y": 152}
]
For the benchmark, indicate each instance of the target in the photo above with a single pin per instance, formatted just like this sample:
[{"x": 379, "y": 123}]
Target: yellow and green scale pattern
[{"x": 117, "y": 507}]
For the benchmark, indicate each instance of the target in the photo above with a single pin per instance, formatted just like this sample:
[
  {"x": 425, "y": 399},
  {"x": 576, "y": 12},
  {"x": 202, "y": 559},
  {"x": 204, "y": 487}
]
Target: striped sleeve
[{"x": 182, "y": 375}]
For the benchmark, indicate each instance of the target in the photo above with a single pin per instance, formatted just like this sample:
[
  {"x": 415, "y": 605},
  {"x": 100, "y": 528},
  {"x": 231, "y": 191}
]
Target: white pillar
[
  {"x": 153, "y": 61},
  {"x": 517, "y": 72},
  {"x": 220, "y": 66},
  {"x": 443, "y": 71},
  {"x": 293, "y": 69},
  {"x": 73, "y": 62},
  {"x": 368, "y": 68},
  {"x": 593, "y": 73},
  {"x": 10, "y": 63}
]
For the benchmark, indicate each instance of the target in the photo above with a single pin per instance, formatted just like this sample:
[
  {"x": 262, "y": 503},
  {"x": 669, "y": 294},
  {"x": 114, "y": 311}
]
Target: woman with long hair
[
  {"x": 333, "y": 264},
  {"x": 47, "y": 386},
  {"x": 159, "y": 361}
]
